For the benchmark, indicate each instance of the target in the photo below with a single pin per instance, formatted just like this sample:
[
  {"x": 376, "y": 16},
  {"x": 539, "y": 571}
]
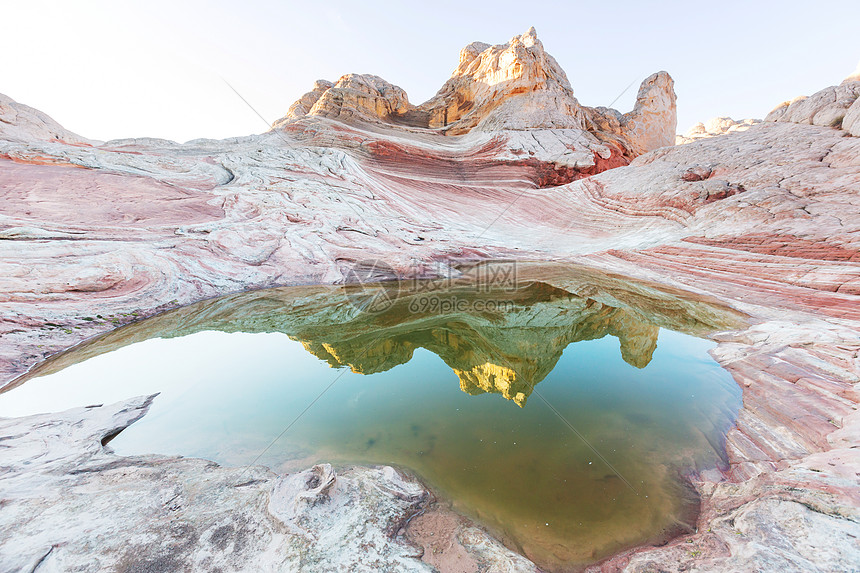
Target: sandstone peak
[
  {"x": 362, "y": 94},
  {"x": 487, "y": 76},
  {"x": 529, "y": 36},
  {"x": 304, "y": 104},
  {"x": 650, "y": 125},
  {"x": 653, "y": 121}
]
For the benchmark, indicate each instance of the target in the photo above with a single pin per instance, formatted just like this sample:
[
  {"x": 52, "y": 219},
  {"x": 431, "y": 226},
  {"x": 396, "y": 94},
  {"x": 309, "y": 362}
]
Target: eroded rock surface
[
  {"x": 303, "y": 105},
  {"x": 517, "y": 85},
  {"x": 650, "y": 125},
  {"x": 354, "y": 96}
]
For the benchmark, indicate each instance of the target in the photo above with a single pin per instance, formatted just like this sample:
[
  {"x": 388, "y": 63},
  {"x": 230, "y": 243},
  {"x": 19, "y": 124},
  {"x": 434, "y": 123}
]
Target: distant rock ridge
[
  {"x": 834, "y": 106},
  {"x": 713, "y": 127},
  {"x": 502, "y": 88},
  {"x": 23, "y": 123},
  {"x": 508, "y": 106}
]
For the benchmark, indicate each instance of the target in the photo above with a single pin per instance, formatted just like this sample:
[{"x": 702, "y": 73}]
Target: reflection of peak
[
  {"x": 505, "y": 354},
  {"x": 638, "y": 339},
  {"x": 369, "y": 357},
  {"x": 493, "y": 378},
  {"x": 504, "y": 351}
]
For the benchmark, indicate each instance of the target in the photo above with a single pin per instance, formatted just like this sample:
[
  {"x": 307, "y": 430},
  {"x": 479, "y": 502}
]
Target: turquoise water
[{"x": 538, "y": 429}]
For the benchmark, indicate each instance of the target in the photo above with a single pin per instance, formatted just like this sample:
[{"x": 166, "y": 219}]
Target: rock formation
[
  {"x": 510, "y": 86},
  {"x": 505, "y": 90},
  {"x": 650, "y": 125},
  {"x": 354, "y": 96},
  {"x": 851, "y": 120},
  {"x": 765, "y": 221}
]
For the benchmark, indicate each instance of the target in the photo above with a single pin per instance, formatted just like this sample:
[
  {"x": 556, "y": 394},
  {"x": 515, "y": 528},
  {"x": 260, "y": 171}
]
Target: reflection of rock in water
[
  {"x": 490, "y": 377},
  {"x": 505, "y": 353},
  {"x": 638, "y": 339}
]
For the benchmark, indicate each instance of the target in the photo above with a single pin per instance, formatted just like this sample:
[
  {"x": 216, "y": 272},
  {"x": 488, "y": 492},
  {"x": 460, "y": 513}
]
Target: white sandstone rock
[
  {"x": 826, "y": 108},
  {"x": 303, "y": 105},
  {"x": 653, "y": 121},
  {"x": 354, "y": 96}
]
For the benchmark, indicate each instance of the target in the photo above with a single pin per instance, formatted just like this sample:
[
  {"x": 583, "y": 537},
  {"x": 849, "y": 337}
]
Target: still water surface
[{"x": 563, "y": 424}]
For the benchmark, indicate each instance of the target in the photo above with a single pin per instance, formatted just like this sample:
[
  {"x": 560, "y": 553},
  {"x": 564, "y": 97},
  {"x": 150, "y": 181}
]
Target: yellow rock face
[{"x": 491, "y": 378}]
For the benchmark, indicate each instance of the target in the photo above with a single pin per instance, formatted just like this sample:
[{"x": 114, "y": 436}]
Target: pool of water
[{"x": 562, "y": 423}]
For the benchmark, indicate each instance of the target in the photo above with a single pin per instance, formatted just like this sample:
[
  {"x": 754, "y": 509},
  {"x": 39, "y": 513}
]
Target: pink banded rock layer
[{"x": 502, "y": 163}]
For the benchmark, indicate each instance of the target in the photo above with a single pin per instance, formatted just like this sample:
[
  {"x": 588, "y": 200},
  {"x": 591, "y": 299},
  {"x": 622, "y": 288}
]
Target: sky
[{"x": 109, "y": 70}]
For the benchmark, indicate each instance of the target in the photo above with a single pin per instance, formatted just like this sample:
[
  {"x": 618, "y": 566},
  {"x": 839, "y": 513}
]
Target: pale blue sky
[{"x": 127, "y": 69}]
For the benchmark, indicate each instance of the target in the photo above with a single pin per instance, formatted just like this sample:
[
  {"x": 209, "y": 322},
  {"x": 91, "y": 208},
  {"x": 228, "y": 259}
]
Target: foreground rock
[
  {"x": 766, "y": 221},
  {"x": 166, "y": 514}
]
